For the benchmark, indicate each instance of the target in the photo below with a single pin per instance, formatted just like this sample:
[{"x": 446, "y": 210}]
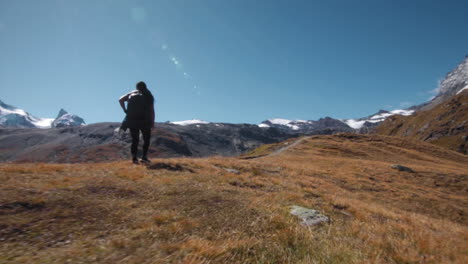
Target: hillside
[
  {"x": 102, "y": 142},
  {"x": 445, "y": 124},
  {"x": 231, "y": 210}
]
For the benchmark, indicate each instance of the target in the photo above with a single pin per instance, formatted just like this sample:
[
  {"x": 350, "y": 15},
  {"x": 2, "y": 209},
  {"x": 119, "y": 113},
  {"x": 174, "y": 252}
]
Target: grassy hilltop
[{"x": 236, "y": 210}]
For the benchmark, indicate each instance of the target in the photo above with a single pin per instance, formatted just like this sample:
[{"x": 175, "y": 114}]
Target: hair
[{"x": 141, "y": 86}]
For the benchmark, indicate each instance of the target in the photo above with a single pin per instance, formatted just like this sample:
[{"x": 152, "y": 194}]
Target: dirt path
[{"x": 280, "y": 150}]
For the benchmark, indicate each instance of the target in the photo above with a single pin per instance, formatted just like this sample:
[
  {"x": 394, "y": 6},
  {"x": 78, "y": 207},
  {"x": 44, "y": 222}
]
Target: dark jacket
[{"x": 139, "y": 111}]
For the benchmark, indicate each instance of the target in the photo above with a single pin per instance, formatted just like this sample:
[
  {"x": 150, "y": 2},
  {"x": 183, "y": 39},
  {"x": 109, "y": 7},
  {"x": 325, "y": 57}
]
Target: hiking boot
[
  {"x": 145, "y": 160},
  {"x": 135, "y": 161}
]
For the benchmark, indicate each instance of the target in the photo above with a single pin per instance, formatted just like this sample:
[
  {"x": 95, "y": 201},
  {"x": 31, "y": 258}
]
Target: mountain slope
[
  {"x": 454, "y": 82},
  {"x": 445, "y": 124},
  {"x": 11, "y": 116},
  {"x": 228, "y": 210}
]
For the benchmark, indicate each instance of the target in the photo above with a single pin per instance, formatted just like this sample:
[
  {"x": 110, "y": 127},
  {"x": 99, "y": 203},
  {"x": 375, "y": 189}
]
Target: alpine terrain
[{"x": 442, "y": 121}]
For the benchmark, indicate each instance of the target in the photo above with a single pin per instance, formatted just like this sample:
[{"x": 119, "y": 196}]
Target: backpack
[{"x": 137, "y": 107}]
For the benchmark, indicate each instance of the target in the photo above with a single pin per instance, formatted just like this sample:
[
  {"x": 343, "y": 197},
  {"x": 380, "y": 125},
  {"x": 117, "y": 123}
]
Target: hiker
[{"x": 139, "y": 117}]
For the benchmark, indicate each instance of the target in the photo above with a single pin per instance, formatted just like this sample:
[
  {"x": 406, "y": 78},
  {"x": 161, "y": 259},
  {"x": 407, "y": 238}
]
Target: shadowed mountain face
[
  {"x": 446, "y": 124},
  {"x": 102, "y": 142}
]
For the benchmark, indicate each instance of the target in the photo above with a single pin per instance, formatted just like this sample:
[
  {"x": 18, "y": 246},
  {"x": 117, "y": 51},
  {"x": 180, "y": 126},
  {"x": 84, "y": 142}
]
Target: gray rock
[
  {"x": 402, "y": 168},
  {"x": 309, "y": 217},
  {"x": 228, "y": 169},
  {"x": 232, "y": 171}
]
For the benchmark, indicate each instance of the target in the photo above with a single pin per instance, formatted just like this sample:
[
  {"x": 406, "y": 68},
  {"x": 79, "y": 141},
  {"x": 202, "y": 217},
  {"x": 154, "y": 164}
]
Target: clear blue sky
[{"x": 225, "y": 60}]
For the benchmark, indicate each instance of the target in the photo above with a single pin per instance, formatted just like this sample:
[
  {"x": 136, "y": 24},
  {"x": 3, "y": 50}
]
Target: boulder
[{"x": 309, "y": 217}]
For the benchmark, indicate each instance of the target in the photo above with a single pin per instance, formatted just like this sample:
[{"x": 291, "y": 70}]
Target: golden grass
[
  {"x": 121, "y": 213},
  {"x": 444, "y": 125}
]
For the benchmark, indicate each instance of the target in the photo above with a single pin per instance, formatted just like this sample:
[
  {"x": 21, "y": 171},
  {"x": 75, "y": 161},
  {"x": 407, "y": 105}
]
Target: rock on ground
[{"x": 309, "y": 217}]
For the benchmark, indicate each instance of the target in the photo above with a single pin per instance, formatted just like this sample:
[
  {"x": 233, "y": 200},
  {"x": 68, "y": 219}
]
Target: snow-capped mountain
[
  {"x": 11, "y": 116},
  {"x": 453, "y": 83},
  {"x": 189, "y": 122},
  {"x": 375, "y": 119},
  {"x": 64, "y": 119},
  {"x": 323, "y": 125},
  {"x": 331, "y": 124}
]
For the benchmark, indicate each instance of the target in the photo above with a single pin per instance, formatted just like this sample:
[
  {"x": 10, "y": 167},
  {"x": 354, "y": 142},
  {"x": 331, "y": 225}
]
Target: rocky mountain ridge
[
  {"x": 69, "y": 141},
  {"x": 64, "y": 119},
  {"x": 454, "y": 82}
]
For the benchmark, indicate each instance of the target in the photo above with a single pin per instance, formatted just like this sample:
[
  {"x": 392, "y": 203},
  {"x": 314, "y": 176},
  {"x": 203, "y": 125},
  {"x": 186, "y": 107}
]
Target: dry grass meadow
[{"x": 195, "y": 211}]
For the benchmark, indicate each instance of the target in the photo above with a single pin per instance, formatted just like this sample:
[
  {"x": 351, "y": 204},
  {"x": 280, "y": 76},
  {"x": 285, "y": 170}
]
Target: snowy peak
[
  {"x": 64, "y": 119},
  {"x": 454, "y": 83},
  {"x": 61, "y": 113},
  {"x": 11, "y": 116},
  {"x": 455, "y": 80},
  {"x": 323, "y": 125}
]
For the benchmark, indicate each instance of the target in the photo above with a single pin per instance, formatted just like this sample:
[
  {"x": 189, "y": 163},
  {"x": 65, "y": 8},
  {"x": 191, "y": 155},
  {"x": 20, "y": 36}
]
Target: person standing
[{"x": 139, "y": 117}]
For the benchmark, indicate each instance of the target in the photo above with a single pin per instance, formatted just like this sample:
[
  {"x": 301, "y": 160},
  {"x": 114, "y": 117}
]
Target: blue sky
[{"x": 228, "y": 61}]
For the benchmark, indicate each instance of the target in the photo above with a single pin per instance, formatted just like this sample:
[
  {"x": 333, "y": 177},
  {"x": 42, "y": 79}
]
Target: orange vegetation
[
  {"x": 196, "y": 211},
  {"x": 445, "y": 125}
]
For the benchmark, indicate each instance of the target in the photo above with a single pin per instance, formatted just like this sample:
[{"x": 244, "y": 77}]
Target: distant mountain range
[
  {"x": 70, "y": 140},
  {"x": 14, "y": 117},
  {"x": 454, "y": 83}
]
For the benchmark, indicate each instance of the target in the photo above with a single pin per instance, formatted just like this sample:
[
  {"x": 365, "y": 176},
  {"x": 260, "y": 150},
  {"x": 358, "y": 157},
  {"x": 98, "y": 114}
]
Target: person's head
[{"x": 141, "y": 86}]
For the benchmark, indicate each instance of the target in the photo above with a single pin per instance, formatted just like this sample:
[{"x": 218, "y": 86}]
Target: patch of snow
[
  {"x": 354, "y": 123},
  {"x": 464, "y": 88},
  {"x": 6, "y": 111},
  {"x": 357, "y": 124},
  {"x": 38, "y": 122},
  {"x": 189, "y": 122},
  {"x": 293, "y": 124},
  {"x": 43, "y": 122},
  {"x": 402, "y": 112},
  {"x": 280, "y": 121}
]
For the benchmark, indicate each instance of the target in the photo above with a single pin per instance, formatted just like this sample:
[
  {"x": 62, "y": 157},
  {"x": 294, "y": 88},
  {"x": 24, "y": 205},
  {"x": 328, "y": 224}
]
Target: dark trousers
[{"x": 135, "y": 133}]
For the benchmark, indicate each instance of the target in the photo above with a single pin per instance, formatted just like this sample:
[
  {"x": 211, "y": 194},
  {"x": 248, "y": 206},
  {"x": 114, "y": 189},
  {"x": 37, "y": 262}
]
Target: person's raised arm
[{"x": 122, "y": 101}]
